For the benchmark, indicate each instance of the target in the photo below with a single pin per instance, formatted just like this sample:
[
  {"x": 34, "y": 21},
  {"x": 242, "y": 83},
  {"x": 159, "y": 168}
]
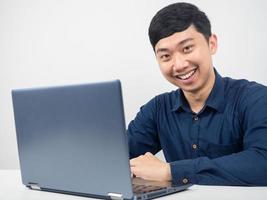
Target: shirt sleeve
[
  {"x": 248, "y": 167},
  {"x": 142, "y": 131}
]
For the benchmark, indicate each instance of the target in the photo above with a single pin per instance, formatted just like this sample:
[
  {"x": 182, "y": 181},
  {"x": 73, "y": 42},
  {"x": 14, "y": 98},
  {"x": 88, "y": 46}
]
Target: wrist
[{"x": 168, "y": 176}]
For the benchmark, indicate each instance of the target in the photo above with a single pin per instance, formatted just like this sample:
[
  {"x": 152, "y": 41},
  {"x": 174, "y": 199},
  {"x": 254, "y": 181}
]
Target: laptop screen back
[{"x": 72, "y": 138}]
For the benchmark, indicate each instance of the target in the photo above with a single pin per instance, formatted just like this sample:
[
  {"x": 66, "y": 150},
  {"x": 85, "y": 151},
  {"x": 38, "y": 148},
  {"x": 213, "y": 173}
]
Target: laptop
[{"x": 72, "y": 139}]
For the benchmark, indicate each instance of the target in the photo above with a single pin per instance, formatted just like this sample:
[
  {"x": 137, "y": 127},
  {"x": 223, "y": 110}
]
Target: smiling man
[{"x": 213, "y": 129}]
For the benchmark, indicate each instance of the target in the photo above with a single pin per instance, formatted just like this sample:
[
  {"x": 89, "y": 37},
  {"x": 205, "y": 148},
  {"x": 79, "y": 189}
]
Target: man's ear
[{"x": 213, "y": 44}]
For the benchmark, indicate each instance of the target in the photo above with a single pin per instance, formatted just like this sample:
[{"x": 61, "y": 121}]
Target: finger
[
  {"x": 148, "y": 154},
  {"x": 135, "y": 161},
  {"x": 136, "y": 172},
  {"x": 132, "y": 170}
]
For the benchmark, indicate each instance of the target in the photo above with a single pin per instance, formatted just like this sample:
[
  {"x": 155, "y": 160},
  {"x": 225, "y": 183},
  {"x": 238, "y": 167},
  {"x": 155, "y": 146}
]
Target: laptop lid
[{"x": 67, "y": 136}]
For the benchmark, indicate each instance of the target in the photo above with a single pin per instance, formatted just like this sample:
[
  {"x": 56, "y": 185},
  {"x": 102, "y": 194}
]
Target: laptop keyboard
[{"x": 141, "y": 189}]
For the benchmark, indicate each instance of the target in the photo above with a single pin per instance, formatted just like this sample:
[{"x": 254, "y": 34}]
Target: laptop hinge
[
  {"x": 34, "y": 186},
  {"x": 115, "y": 196}
]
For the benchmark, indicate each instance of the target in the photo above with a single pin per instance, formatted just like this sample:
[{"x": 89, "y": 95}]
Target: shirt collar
[
  {"x": 180, "y": 101},
  {"x": 215, "y": 99}
]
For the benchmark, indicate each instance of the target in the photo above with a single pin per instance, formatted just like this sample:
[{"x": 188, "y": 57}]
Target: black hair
[{"x": 178, "y": 17}]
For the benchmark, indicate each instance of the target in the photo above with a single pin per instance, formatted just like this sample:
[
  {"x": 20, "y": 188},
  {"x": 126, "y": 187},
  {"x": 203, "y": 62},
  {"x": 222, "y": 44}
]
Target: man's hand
[{"x": 150, "y": 167}]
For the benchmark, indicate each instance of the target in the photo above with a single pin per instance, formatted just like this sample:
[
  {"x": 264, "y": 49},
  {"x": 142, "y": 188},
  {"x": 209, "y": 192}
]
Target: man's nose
[{"x": 179, "y": 63}]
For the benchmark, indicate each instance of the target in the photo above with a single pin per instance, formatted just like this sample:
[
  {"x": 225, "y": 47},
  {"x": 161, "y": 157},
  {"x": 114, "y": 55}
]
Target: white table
[{"x": 11, "y": 188}]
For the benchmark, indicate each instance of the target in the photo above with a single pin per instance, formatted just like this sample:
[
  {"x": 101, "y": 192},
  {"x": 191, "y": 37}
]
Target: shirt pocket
[{"x": 213, "y": 150}]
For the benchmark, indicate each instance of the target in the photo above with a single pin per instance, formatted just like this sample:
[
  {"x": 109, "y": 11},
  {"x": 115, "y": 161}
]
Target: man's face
[{"x": 185, "y": 59}]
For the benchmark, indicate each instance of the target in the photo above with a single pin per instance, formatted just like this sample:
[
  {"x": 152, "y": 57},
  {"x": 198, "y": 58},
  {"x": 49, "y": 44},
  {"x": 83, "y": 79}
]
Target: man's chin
[
  {"x": 185, "y": 88},
  {"x": 190, "y": 89}
]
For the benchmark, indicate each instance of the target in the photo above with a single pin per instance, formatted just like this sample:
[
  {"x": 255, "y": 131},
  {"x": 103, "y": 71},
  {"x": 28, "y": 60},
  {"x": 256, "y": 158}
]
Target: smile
[{"x": 187, "y": 75}]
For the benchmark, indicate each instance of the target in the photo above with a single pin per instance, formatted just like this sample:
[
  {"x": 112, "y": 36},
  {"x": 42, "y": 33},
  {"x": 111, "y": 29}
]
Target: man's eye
[
  {"x": 164, "y": 57},
  {"x": 188, "y": 49}
]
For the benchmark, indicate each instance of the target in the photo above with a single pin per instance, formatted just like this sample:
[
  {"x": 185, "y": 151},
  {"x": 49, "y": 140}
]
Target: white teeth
[{"x": 188, "y": 75}]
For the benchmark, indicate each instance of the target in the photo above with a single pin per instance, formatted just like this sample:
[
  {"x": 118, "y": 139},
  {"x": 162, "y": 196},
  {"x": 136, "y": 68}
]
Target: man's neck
[{"x": 198, "y": 99}]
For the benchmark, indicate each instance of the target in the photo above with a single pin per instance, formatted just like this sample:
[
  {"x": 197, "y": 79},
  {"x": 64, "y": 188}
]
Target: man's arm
[
  {"x": 244, "y": 168},
  {"x": 142, "y": 131},
  {"x": 248, "y": 167}
]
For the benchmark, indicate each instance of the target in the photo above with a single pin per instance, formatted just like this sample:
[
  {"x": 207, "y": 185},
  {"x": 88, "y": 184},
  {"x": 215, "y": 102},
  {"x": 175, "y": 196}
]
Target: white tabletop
[{"x": 11, "y": 188}]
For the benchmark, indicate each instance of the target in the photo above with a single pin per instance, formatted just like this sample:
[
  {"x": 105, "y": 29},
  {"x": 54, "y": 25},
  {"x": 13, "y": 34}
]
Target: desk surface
[{"x": 11, "y": 188}]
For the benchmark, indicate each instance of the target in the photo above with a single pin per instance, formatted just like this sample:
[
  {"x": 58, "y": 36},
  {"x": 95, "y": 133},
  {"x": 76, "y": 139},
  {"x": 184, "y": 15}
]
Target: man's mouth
[{"x": 187, "y": 75}]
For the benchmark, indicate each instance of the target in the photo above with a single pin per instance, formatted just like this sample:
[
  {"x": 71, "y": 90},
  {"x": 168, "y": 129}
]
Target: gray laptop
[{"x": 72, "y": 139}]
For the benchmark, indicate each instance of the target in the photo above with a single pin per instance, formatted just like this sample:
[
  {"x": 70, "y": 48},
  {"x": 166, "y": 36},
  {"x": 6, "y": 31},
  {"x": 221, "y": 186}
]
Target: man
[{"x": 212, "y": 130}]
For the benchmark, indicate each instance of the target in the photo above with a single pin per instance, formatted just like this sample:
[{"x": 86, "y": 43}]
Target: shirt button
[
  {"x": 195, "y": 118},
  {"x": 185, "y": 181},
  {"x": 194, "y": 146}
]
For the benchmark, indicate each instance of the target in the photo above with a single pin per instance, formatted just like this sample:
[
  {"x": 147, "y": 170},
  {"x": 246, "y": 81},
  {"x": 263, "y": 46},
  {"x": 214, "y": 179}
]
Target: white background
[{"x": 58, "y": 42}]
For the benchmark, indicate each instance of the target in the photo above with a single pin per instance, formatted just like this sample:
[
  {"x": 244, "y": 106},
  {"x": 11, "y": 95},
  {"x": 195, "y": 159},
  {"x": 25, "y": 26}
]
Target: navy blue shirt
[{"x": 224, "y": 144}]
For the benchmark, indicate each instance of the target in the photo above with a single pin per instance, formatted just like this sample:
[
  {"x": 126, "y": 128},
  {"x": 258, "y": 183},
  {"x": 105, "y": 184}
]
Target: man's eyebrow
[
  {"x": 185, "y": 41},
  {"x": 179, "y": 44},
  {"x": 161, "y": 50}
]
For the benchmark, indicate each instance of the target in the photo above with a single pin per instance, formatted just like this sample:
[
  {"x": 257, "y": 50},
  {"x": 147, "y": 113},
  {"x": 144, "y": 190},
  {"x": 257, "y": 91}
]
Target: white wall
[{"x": 53, "y": 42}]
